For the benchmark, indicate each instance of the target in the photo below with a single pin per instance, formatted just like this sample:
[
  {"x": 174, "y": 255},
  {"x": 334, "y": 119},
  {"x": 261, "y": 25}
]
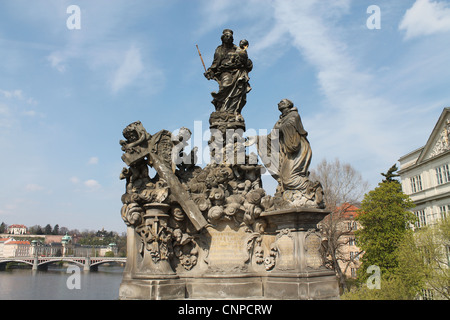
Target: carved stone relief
[{"x": 442, "y": 143}]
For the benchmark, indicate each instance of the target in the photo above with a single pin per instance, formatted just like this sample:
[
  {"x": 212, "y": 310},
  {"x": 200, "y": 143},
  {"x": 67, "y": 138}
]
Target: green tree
[
  {"x": 109, "y": 254},
  {"x": 392, "y": 288},
  {"x": 390, "y": 175},
  {"x": 55, "y": 229},
  {"x": 3, "y": 227},
  {"x": 385, "y": 220},
  {"x": 424, "y": 260},
  {"x": 423, "y": 264},
  {"x": 48, "y": 229},
  {"x": 39, "y": 230}
]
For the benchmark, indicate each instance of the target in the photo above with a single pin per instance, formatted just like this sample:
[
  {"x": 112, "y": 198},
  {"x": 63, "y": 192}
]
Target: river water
[{"x": 61, "y": 284}]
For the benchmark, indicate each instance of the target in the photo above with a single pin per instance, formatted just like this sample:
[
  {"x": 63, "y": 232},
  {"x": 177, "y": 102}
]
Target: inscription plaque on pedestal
[
  {"x": 227, "y": 250},
  {"x": 312, "y": 246}
]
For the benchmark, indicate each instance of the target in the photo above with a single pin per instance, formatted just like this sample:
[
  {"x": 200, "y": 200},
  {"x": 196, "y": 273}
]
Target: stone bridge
[{"x": 41, "y": 263}]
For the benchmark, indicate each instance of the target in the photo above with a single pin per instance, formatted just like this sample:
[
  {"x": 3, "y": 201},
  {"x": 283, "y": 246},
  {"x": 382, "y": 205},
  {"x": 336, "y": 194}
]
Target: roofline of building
[
  {"x": 422, "y": 149},
  {"x": 415, "y": 165},
  {"x": 433, "y": 132},
  {"x": 410, "y": 153}
]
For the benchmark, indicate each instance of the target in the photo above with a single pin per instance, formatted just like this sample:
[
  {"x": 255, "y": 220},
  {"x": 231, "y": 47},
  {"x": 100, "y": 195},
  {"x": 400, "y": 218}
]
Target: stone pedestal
[
  {"x": 227, "y": 273},
  {"x": 148, "y": 273},
  {"x": 227, "y": 251},
  {"x": 152, "y": 289},
  {"x": 298, "y": 271},
  {"x": 228, "y": 267},
  {"x": 225, "y": 286}
]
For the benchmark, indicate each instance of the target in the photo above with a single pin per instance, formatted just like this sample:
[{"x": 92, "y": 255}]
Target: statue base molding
[
  {"x": 282, "y": 262},
  {"x": 152, "y": 289},
  {"x": 321, "y": 285}
]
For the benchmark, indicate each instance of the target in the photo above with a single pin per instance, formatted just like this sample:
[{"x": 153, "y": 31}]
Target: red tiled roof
[
  {"x": 18, "y": 242},
  {"x": 349, "y": 211},
  {"x": 16, "y": 226}
]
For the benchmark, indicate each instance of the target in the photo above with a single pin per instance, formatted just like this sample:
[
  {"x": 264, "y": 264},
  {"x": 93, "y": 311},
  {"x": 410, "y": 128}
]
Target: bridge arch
[
  {"x": 47, "y": 262},
  {"x": 97, "y": 263},
  {"x": 42, "y": 262},
  {"x": 5, "y": 261}
]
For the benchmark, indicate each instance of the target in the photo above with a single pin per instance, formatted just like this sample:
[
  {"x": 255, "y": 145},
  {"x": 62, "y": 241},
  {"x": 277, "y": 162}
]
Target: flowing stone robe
[
  {"x": 295, "y": 152},
  {"x": 232, "y": 76}
]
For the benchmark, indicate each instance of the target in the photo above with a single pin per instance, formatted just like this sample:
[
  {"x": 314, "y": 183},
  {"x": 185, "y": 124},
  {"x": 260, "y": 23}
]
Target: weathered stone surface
[
  {"x": 162, "y": 289},
  {"x": 213, "y": 232},
  {"x": 302, "y": 286},
  {"x": 229, "y": 286},
  {"x": 228, "y": 248}
]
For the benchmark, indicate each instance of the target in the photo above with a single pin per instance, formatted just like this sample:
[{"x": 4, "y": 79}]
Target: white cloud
[
  {"x": 347, "y": 89},
  {"x": 74, "y": 180},
  {"x": 17, "y": 94},
  {"x": 6, "y": 118},
  {"x": 4, "y": 110},
  {"x": 13, "y": 105},
  {"x": 129, "y": 70},
  {"x": 12, "y": 94},
  {"x": 216, "y": 14},
  {"x": 57, "y": 60},
  {"x": 32, "y": 114},
  {"x": 92, "y": 184},
  {"x": 426, "y": 17},
  {"x": 11, "y": 206},
  {"x": 93, "y": 160},
  {"x": 33, "y": 187}
]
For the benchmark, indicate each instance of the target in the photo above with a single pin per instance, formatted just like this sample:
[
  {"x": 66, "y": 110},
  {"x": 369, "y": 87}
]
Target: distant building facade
[
  {"x": 16, "y": 248},
  {"x": 17, "y": 229},
  {"x": 425, "y": 175},
  {"x": 3, "y": 241},
  {"x": 348, "y": 253}
]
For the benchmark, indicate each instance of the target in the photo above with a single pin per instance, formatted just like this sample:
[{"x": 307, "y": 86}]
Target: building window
[
  {"x": 427, "y": 294},
  {"x": 351, "y": 241},
  {"x": 353, "y": 272},
  {"x": 444, "y": 211},
  {"x": 354, "y": 255},
  {"x": 352, "y": 226},
  {"x": 416, "y": 183},
  {"x": 422, "y": 221},
  {"x": 442, "y": 174}
]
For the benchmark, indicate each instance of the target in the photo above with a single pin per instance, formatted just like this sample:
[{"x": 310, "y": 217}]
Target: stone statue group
[
  {"x": 188, "y": 226},
  {"x": 230, "y": 68}
]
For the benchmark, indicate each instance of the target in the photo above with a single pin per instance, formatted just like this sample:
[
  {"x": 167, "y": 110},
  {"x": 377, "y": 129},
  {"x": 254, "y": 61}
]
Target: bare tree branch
[{"x": 343, "y": 188}]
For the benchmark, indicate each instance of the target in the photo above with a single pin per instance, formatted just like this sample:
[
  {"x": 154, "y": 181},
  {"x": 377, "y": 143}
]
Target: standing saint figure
[
  {"x": 230, "y": 69},
  {"x": 286, "y": 153},
  {"x": 295, "y": 150}
]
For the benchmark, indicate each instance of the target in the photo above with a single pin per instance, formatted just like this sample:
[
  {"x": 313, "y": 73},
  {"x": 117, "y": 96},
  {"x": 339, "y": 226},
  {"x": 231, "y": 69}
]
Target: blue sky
[{"x": 366, "y": 96}]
